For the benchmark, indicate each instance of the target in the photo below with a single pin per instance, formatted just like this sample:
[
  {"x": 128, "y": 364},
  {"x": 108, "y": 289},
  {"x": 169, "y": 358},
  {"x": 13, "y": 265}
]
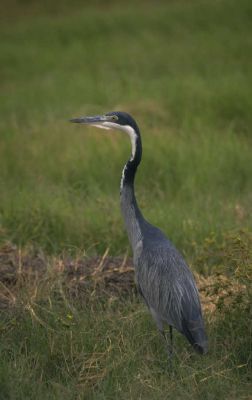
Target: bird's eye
[{"x": 114, "y": 118}]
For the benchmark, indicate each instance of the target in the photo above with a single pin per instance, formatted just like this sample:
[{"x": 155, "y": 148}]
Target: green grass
[{"x": 183, "y": 69}]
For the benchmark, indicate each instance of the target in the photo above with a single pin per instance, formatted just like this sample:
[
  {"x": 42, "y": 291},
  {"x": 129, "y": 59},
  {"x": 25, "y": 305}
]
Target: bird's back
[{"x": 168, "y": 286}]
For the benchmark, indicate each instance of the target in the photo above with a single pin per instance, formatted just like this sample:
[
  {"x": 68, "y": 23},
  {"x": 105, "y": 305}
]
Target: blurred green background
[{"x": 181, "y": 68}]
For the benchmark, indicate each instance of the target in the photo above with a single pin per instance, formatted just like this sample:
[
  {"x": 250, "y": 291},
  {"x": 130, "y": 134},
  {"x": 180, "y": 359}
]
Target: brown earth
[{"x": 113, "y": 275}]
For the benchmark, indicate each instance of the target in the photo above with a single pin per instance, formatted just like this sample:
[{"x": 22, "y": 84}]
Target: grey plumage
[{"x": 163, "y": 278}]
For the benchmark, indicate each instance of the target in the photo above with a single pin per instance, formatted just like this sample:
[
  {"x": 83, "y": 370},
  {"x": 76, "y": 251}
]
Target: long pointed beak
[{"x": 97, "y": 119}]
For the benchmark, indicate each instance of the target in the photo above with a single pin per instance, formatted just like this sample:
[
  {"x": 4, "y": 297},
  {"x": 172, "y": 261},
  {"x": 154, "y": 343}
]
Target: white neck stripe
[
  {"x": 124, "y": 128},
  {"x": 132, "y": 135},
  {"x": 133, "y": 138}
]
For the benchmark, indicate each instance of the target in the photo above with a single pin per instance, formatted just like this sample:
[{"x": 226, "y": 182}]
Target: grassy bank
[
  {"x": 71, "y": 329},
  {"x": 183, "y": 71}
]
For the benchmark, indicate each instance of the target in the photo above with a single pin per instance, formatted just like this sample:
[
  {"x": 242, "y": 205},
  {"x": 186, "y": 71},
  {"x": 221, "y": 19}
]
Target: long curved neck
[{"x": 132, "y": 215}]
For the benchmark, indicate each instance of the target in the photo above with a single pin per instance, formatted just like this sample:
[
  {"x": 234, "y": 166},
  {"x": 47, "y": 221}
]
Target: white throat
[
  {"x": 133, "y": 138},
  {"x": 132, "y": 135},
  {"x": 124, "y": 128}
]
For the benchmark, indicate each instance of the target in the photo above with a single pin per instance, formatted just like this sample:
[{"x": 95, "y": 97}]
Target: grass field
[{"x": 183, "y": 69}]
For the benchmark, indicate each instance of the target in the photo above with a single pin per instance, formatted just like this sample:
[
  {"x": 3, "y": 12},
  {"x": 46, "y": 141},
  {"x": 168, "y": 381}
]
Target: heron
[{"x": 162, "y": 276}]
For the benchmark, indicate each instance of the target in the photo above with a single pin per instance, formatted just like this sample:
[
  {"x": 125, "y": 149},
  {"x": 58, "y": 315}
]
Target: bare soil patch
[{"x": 112, "y": 275}]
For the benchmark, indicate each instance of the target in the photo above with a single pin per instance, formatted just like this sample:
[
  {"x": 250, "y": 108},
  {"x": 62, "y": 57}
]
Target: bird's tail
[{"x": 194, "y": 331}]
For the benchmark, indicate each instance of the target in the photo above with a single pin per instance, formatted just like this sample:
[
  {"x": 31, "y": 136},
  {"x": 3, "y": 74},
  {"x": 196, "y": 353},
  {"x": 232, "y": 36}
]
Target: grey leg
[
  {"x": 168, "y": 343},
  {"x": 171, "y": 339}
]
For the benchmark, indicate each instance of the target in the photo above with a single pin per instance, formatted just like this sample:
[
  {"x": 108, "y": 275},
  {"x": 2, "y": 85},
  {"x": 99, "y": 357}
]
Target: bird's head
[
  {"x": 117, "y": 120},
  {"x": 113, "y": 120}
]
